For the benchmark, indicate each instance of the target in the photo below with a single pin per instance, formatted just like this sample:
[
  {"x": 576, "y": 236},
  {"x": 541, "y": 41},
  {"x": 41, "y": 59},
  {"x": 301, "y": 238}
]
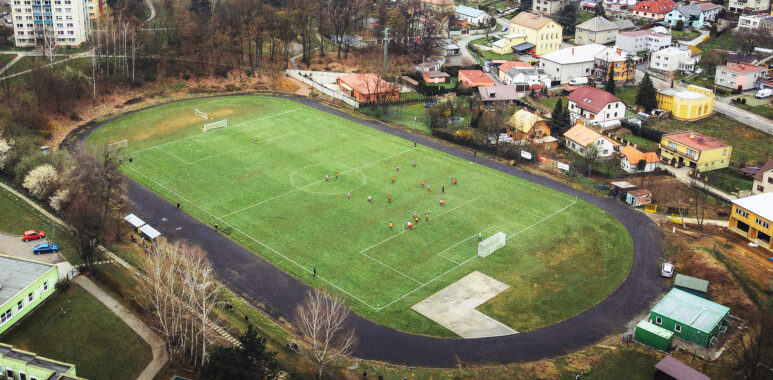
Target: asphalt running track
[{"x": 278, "y": 293}]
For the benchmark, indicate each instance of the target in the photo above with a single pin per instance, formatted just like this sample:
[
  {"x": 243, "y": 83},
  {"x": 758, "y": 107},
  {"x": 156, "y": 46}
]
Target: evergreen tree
[
  {"x": 610, "y": 85},
  {"x": 646, "y": 96},
  {"x": 251, "y": 360},
  {"x": 567, "y": 17},
  {"x": 679, "y": 25},
  {"x": 713, "y": 30},
  {"x": 599, "y": 9},
  {"x": 560, "y": 119},
  {"x": 525, "y": 5}
]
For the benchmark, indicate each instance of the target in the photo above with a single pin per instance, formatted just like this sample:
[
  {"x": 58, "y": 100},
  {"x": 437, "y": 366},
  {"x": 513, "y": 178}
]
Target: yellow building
[
  {"x": 544, "y": 33},
  {"x": 694, "y": 150},
  {"x": 616, "y": 58},
  {"x": 95, "y": 9},
  {"x": 752, "y": 217},
  {"x": 505, "y": 44},
  {"x": 694, "y": 103}
]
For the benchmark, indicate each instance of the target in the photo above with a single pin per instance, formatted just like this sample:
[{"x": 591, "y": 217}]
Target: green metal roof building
[
  {"x": 22, "y": 365},
  {"x": 23, "y": 285},
  {"x": 690, "y": 317},
  {"x": 691, "y": 285},
  {"x": 654, "y": 336}
]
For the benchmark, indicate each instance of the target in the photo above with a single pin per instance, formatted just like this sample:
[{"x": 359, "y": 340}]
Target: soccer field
[{"x": 263, "y": 181}]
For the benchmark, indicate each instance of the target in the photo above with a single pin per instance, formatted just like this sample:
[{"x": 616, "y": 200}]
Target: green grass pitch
[{"x": 262, "y": 180}]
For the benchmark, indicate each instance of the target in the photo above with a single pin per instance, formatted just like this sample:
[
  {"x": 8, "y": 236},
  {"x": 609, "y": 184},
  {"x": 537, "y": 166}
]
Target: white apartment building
[
  {"x": 642, "y": 40},
  {"x": 747, "y": 6},
  {"x": 65, "y": 21},
  {"x": 672, "y": 59},
  {"x": 571, "y": 62}
]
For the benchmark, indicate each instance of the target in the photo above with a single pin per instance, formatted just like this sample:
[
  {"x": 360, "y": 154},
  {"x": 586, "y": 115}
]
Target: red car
[{"x": 32, "y": 235}]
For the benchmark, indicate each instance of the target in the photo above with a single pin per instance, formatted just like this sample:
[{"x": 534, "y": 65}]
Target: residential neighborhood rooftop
[
  {"x": 691, "y": 282},
  {"x": 582, "y": 135},
  {"x": 679, "y": 370},
  {"x": 530, "y": 20},
  {"x": 655, "y": 6},
  {"x": 366, "y": 83},
  {"x": 743, "y": 68},
  {"x": 469, "y": 11},
  {"x": 575, "y": 54},
  {"x": 760, "y": 204},
  {"x": 17, "y": 274},
  {"x": 637, "y": 33},
  {"x": 708, "y": 6},
  {"x": 634, "y": 155},
  {"x": 768, "y": 166},
  {"x": 695, "y": 140},
  {"x": 592, "y": 99},
  {"x": 691, "y": 310},
  {"x": 501, "y": 92},
  {"x": 598, "y": 24}
]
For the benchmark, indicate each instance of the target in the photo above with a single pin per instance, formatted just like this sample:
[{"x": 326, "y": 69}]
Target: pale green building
[
  {"x": 22, "y": 365},
  {"x": 24, "y": 284}
]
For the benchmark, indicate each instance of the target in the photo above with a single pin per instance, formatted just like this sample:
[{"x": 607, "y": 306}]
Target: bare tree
[
  {"x": 752, "y": 349},
  {"x": 698, "y": 191},
  {"x": 49, "y": 44},
  {"x": 342, "y": 16},
  {"x": 322, "y": 320},
  {"x": 493, "y": 123},
  {"x": 590, "y": 156}
]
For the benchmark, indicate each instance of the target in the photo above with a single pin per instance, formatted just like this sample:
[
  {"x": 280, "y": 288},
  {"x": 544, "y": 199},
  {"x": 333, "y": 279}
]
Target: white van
[
  {"x": 764, "y": 93},
  {"x": 579, "y": 81}
]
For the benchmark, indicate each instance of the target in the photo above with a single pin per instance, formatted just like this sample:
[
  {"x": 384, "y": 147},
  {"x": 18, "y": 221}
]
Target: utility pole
[{"x": 386, "y": 47}]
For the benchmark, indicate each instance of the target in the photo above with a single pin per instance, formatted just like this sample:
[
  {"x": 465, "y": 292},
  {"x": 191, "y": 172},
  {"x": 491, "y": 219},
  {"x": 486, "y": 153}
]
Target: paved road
[
  {"x": 721, "y": 105},
  {"x": 278, "y": 293}
]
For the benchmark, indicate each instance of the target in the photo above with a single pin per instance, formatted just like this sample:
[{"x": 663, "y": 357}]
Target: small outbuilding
[
  {"x": 149, "y": 232},
  {"x": 620, "y": 189},
  {"x": 135, "y": 221},
  {"x": 691, "y": 285},
  {"x": 654, "y": 336},
  {"x": 691, "y": 318},
  {"x": 672, "y": 369},
  {"x": 638, "y": 197}
]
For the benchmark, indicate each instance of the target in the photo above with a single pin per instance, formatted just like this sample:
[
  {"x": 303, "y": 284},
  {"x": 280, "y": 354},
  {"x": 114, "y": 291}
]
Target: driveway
[
  {"x": 12, "y": 245},
  {"x": 278, "y": 293}
]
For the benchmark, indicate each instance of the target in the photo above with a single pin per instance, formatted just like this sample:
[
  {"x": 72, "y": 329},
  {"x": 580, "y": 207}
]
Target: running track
[{"x": 278, "y": 293}]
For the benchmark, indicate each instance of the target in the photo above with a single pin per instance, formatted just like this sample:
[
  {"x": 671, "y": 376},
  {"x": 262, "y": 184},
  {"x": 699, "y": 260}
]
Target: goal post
[
  {"x": 491, "y": 244},
  {"x": 118, "y": 145},
  {"x": 218, "y": 124},
  {"x": 201, "y": 114}
]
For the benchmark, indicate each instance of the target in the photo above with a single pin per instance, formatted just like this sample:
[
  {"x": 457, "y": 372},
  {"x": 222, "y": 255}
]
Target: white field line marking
[
  {"x": 174, "y": 156},
  {"x": 255, "y": 240},
  {"x": 312, "y": 183},
  {"x": 246, "y": 147},
  {"x": 516, "y": 208},
  {"x": 406, "y": 230},
  {"x": 457, "y": 244},
  {"x": 542, "y": 220},
  {"x": 199, "y": 134},
  {"x": 393, "y": 269}
]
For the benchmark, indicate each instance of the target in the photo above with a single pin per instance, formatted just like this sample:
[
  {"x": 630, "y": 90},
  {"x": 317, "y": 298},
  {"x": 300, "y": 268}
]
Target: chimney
[
  {"x": 692, "y": 135},
  {"x": 619, "y": 52}
]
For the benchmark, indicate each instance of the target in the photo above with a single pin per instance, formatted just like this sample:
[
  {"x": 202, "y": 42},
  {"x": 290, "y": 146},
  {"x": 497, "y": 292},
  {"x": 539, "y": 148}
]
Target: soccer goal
[
  {"x": 201, "y": 114},
  {"x": 491, "y": 244},
  {"x": 118, "y": 145},
  {"x": 218, "y": 124}
]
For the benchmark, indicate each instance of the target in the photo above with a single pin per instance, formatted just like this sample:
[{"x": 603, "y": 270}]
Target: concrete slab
[{"x": 453, "y": 307}]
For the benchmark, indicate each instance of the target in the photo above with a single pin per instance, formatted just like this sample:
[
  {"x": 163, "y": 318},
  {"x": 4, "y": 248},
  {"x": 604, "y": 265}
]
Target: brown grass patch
[{"x": 542, "y": 370}]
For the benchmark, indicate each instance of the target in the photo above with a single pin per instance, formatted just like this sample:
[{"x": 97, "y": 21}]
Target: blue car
[{"x": 45, "y": 248}]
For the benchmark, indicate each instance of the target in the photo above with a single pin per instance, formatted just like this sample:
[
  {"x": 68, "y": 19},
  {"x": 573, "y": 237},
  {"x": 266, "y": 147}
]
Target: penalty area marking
[{"x": 303, "y": 188}]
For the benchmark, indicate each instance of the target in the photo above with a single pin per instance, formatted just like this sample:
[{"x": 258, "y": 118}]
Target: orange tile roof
[
  {"x": 367, "y": 84},
  {"x": 634, "y": 155},
  {"x": 658, "y": 7},
  {"x": 476, "y": 78},
  {"x": 530, "y": 20},
  {"x": 743, "y": 68},
  {"x": 507, "y": 66},
  {"x": 695, "y": 140},
  {"x": 582, "y": 135}
]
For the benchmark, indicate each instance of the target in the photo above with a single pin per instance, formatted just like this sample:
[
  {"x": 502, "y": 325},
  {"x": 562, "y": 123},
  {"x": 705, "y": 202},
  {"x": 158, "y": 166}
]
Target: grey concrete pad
[{"x": 453, "y": 307}]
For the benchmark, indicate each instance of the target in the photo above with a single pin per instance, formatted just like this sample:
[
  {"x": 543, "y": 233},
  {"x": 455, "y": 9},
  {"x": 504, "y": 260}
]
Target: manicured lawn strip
[
  {"x": 627, "y": 94},
  {"x": 728, "y": 179},
  {"x": 74, "y": 327},
  {"x": 550, "y": 102},
  {"x": 763, "y": 110},
  {"x": 642, "y": 143},
  {"x": 18, "y": 216},
  {"x": 413, "y": 116},
  {"x": 319, "y": 227},
  {"x": 749, "y": 144}
]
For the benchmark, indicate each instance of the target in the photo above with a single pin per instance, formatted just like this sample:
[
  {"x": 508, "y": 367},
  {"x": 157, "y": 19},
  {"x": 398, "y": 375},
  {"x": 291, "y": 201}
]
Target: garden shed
[
  {"x": 691, "y": 318},
  {"x": 654, "y": 336},
  {"x": 620, "y": 189},
  {"x": 672, "y": 369},
  {"x": 638, "y": 197},
  {"x": 692, "y": 285}
]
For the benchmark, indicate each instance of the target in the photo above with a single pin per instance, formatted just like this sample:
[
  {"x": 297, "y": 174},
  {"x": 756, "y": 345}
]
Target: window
[
  {"x": 5, "y": 316},
  {"x": 678, "y": 328},
  {"x": 760, "y": 188},
  {"x": 22, "y": 376},
  {"x": 672, "y": 145},
  {"x": 742, "y": 213},
  {"x": 658, "y": 320},
  {"x": 20, "y": 305},
  {"x": 762, "y": 223},
  {"x": 45, "y": 285},
  {"x": 30, "y": 297}
]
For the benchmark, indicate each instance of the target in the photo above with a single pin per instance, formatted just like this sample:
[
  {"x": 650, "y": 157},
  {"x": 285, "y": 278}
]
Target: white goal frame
[
  {"x": 118, "y": 145},
  {"x": 201, "y": 114},
  {"x": 218, "y": 124},
  {"x": 491, "y": 244}
]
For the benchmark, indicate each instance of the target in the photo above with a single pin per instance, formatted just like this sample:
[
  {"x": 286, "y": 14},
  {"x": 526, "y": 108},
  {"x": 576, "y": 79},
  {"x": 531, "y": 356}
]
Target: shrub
[
  {"x": 186, "y": 76},
  {"x": 63, "y": 284},
  {"x": 74, "y": 116},
  {"x": 743, "y": 100},
  {"x": 59, "y": 197},
  {"x": 41, "y": 181},
  {"x": 5, "y": 153}
]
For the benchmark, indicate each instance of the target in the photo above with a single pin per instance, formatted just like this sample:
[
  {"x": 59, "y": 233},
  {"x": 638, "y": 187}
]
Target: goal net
[
  {"x": 201, "y": 114},
  {"x": 491, "y": 244},
  {"x": 218, "y": 124},
  {"x": 118, "y": 145}
]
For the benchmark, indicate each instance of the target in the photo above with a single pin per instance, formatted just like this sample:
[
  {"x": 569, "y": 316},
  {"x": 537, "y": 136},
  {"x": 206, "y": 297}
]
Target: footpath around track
[{"x": 278, "y": 293}]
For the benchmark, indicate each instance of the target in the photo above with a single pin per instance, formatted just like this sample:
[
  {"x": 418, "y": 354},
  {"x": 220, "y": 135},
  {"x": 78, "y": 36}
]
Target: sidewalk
[{"x": 160, "y": 356}]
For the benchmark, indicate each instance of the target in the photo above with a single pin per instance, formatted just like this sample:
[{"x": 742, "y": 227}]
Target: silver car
[{"x": 667, "y": 271}]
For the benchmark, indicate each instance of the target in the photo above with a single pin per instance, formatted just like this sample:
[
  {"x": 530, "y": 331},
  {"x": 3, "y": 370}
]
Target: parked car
[
  {"x": 764, "y": 93},
  {"x": 32, "y": 235},
  {"x": 667, "y": 271},
  {"x": 579, "y": 81},
  {"x": 8, "y": 21},
  {"x": 5, "y": 13},
  {"x": 45, "y": 248},
  {"x": 486, "y": 69}
]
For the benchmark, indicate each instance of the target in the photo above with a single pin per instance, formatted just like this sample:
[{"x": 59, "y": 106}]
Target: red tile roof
[
  {"x": 475, "y": 78},
  {"x": 768, "y": 166},
  {"x": 695, "y": 140},
  {"x": 743, "y": 68},
  {"x": 659, "y": 6},
  {"x": 367, "y": 83},
  {"x": 592, "y": 99},
  {"x": 708, "y": 6},
  {"x": 634, "y": 155}
]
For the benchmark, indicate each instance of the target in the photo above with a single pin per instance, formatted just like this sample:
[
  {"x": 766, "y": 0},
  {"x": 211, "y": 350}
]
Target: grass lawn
[
  {"x": 763, "y": 110},
  {"x": 627, "y": 94},
  {"x": 642, "y": 143},
  {"x": 728, "y": 179},
  {"x": 551, "y": 101},
  {"x": 272, "y": 198},
  {"x": 5, "y": 59},
  {"x": 749, "y": 144},
  {"x": 583, "y": 16},
  {"x": 412, "y": 116},
  {"x": 74, "y": 327},
  {"x": 18, "y": 216}
]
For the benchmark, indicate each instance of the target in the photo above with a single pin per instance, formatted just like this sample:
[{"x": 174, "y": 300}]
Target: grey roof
[
  {"x": 468, "y": 11},
  {"x": 684, "y": 281},
  {"x": 17, "y": 274},
  {"x": 625, "y": 24},
  {"x": 134, "y": 220},
  {"x": 150, "y": 231},
  {"x": 30, "y": 359},
  {"x": 598, "y": 24},
  {"x": 524, "y": 46},
  {"x": 691, "y": 10},
  {"x": 501, "y": 92}
]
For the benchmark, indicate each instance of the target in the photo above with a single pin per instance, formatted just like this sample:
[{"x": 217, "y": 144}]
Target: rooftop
[
  {"x": 613, "y": 54},
  {"x": 469, "y": 11},
  {"x": 679, "y": 370},
  {"x": 523, "y": 120},
  {"x": 17, "y": 274},
  {"x": 690, "y": 10},
  {"x": 625, "y": 24},
  {"x": 530, "y": 20},
  {"x": 634, "y": 155},
  {"x": 743, "y": 68},
  {"x": 366, "y": 83},
  {"x": 652, "y": 6},
  {"x": 689, "y": 282},
  {"x": 639, "y": 33},
  {"x": 655, "y": 329},
  {"x": 477, "y": 77},
  {"x": 598, "y": 24},
  {"x": 767, "y": 167},
  {"x": 592, "y": 99},
  {"x": 691, "y": 310},
  {"x": 695, "y": 140},
  {"x": 760, "y": 204},
  {"x": 492, "y": 93},
  {"x": 7, "y": 351},
  {"x": 582, "y": 134},
  {"x": 513, "y": 64},
  {"x": 576, "y": 54},
  {"x": 708, "y": 6}
]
